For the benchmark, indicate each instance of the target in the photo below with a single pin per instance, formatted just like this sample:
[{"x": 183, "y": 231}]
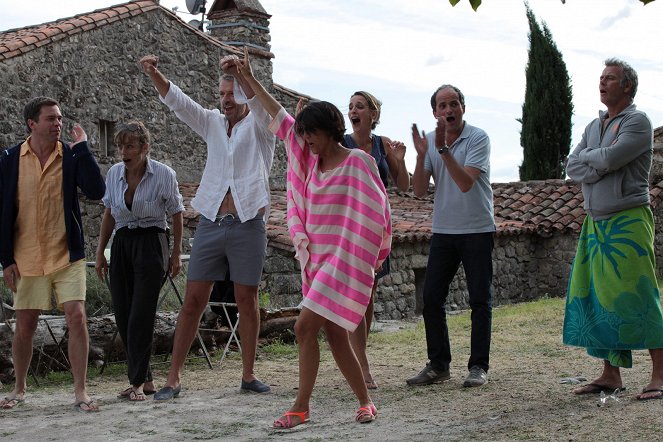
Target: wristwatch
[{"x": 442, "y": 150}]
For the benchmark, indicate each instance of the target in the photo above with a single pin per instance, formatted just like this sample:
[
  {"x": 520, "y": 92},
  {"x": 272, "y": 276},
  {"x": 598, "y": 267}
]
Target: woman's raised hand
[{"x": 397, "y": 149}]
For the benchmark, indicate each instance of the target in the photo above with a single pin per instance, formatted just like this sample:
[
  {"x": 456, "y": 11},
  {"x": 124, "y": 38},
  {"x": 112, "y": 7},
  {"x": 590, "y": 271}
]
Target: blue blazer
[{"x": 79, "y": 170}]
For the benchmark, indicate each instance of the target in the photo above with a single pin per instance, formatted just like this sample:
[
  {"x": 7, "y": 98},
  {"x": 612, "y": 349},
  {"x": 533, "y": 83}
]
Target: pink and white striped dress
[{"x": 340, "y": 225}]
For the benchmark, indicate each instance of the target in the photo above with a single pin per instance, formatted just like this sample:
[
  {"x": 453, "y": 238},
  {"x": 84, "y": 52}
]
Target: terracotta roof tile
[
  {"x": 559, "y": 208},
  {"x": 18, "y": 41}
]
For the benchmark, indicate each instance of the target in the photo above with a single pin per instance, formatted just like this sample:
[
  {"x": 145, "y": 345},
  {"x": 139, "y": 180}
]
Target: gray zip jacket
[{"x": 613, "y": 164}]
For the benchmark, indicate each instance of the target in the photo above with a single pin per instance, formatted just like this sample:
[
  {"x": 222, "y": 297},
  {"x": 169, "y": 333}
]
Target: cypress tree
[{"x": 546, "y": 121}]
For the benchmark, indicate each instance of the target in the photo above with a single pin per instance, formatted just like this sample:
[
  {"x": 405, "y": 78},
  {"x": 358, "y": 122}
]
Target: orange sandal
[
  {"x": 366, "y": 414},
  {"x": 287, "y": 423}
]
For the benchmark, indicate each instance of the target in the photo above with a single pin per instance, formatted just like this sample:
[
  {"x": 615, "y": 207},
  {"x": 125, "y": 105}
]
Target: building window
[{"x": 106, "y": 131}]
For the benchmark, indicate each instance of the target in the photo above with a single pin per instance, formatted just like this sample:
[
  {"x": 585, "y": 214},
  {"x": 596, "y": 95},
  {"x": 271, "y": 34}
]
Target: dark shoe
[
  {"x": 476, "y": 378},
  {"x": 167, "y": 393},
  {"x": 429, "y": 375},
  {"x": 255, "y": 386}
]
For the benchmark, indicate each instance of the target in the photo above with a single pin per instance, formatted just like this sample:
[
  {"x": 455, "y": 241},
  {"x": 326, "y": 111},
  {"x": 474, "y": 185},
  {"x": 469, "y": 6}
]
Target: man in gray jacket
[{"x": 613, "y": 304}]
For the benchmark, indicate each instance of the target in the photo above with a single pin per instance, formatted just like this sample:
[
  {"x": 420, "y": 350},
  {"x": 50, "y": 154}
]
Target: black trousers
[
  {"x": 474, "y": 250},
  {"x": 139, "y": 259}
]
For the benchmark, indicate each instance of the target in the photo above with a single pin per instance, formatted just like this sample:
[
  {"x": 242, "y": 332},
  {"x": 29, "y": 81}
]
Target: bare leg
[
  {"x": 359, "y": 338},
  {"x": 26, "y": 325},
  {"x": 339, "y": 343},
  {"x": 656, "y": 382},
  {"x": 611, "y": 377},
  {"x": 246, "y": 297},
  {"x": 195, "y": 300},
  {"x": 306, "y": 329},
  {"x": 78, "y": 347}
]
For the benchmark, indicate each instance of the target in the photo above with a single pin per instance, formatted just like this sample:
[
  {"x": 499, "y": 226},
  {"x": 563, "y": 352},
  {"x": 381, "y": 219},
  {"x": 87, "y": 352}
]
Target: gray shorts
[{"x": 228, "y": 245}]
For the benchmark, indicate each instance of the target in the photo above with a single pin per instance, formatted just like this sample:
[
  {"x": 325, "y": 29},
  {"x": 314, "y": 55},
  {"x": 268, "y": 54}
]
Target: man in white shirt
[{"x": 232, "y": 198}]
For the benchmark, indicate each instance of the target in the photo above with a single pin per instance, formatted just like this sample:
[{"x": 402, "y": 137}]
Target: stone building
[{"x": 89, "y": 63}]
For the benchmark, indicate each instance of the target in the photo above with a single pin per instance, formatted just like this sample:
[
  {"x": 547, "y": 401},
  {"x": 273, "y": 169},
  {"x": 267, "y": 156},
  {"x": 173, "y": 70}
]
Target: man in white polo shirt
[
  {"x": 457, "y": 156},
  {"x": 232, "y": 199}
]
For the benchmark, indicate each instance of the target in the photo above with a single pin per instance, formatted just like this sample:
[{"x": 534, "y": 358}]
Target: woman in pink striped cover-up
[{"x": 339, "y": 221}]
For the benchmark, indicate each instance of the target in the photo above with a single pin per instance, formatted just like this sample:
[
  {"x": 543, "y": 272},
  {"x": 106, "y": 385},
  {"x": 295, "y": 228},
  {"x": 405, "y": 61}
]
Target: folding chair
[
  {"x": 167, "y": 286},
  {"x": 222, "y": 302}
]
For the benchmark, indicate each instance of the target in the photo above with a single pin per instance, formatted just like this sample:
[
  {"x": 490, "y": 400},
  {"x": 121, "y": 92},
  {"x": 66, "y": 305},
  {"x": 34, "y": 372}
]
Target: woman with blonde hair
[{"x": 364, "y": 115}]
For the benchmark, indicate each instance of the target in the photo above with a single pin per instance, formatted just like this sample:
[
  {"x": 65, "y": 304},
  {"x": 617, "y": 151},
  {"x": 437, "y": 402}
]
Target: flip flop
[
  {"x": 92, "y": 406},
  {"x": 650, "y": 390},
  {"x": 10, "y": 403},
  {"x": 596, "y": 389},
  {"x": 125, "y": 393}
]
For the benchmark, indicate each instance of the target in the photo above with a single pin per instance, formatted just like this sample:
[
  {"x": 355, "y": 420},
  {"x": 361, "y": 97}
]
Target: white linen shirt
[
  {"x": 240, "y": 162},
  {"x": 157, "y": 196}
]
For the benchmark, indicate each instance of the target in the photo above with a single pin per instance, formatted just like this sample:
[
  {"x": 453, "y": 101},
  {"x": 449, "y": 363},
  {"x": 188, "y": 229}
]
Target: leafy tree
[
  {"x": 546, "y": 121},
  {"x": 476, "y": 3}
]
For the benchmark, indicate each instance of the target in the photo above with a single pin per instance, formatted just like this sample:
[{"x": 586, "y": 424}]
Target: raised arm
[
  {"x": 396, "y": 160},
  {"x": 244, "y": 74},
  {"x": 88, "y": 174},
  {"x": 463, "y": 176},
  {"x": 149, "y": 64}
]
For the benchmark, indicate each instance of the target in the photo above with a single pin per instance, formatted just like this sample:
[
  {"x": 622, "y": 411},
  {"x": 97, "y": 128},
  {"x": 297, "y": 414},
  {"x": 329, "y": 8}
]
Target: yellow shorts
[{"x": 37, "y": 292}]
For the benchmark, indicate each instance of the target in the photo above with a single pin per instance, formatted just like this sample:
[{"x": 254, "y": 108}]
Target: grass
[{"x": 524, "y": 399}]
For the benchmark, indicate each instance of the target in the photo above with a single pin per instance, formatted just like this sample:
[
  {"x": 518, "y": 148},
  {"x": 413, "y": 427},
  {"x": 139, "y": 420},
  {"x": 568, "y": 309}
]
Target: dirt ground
[{"x": 524, "y": 399}]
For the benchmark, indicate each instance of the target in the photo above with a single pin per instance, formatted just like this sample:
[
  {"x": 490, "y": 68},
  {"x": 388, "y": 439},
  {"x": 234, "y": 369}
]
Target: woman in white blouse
[{"x": 140, "y": 195}]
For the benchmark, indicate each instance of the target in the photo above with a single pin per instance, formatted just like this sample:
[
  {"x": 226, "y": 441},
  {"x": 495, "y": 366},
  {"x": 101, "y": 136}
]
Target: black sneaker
[
  {"x": 476, "y": 378},
  {"x": 429, "y": 375},
  {"x": 254, "y": 386}
]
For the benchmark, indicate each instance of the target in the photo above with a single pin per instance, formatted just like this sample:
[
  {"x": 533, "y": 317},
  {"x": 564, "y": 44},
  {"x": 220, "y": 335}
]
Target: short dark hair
[
  {"x": 461, "y": 97},
  {"x": 132, "y": 130},
  {"x": 33, "y": 108},
  {"x": 321, "y": 115},
  {"x": 630, "y": 75},
  {"x": 373, "y": 104}
]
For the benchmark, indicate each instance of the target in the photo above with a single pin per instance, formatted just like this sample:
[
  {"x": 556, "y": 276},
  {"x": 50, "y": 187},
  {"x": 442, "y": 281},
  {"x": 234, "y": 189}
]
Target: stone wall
[
  {"x": 526, "y": 267},
  {"x": 96, "y": 78}
]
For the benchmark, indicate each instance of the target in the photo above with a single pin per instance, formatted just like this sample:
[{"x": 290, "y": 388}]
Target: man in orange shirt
[{"x": 41, "y": 237}]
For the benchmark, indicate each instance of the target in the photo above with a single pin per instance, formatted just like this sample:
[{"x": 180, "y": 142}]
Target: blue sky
[{"x": 401, "y": 51}]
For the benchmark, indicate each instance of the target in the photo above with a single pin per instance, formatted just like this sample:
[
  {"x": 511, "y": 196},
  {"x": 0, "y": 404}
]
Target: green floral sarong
[{"x": 613, "y": 303}]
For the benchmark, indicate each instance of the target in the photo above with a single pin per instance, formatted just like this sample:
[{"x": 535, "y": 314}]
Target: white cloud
[{"x": 402, "y": 51}]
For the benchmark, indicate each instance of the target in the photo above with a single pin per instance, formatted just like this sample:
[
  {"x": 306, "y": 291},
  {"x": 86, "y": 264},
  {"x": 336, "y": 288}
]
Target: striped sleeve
[{"x": 299, "y": 166}]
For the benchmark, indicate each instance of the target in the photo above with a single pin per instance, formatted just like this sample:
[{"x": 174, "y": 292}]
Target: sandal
[
  {"x": 9, "y": 403},
  {"x": 90, "y": 406},
  {"x": 136, "y": 396},
  {"x": 366, "y": 414},
  {"x": 287, "y": 423},
  {"x": 125, "y": 393}
]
